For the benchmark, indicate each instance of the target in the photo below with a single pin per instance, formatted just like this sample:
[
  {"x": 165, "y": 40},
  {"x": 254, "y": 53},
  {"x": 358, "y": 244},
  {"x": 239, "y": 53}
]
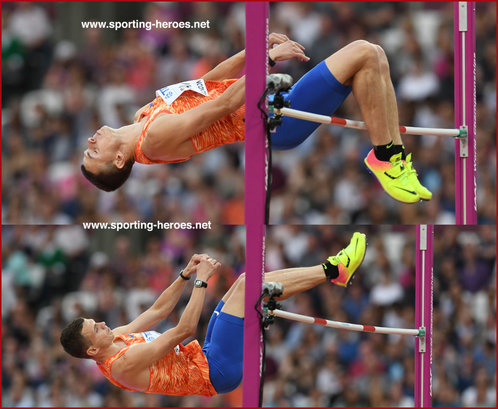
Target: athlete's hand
[
  {"x": 207, "y": 267},
  {"x": 192, "y": 264},
  {"x": 288, "y": 50},
  {"x": 276, "y": 38}
]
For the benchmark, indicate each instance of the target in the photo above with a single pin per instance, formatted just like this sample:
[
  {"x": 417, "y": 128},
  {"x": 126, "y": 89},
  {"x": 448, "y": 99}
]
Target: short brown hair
[
  {"x": 111, "y": 178},
  {"x": 73, "y": 342}
]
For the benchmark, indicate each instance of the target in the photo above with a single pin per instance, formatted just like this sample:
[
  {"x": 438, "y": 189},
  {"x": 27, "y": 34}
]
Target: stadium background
[
  {"x": 52, "y": 274},
  {"x": 60, "y": 83}
]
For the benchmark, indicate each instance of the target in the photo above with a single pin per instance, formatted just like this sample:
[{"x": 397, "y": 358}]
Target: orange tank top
[
  {"x": 229, "y": 129},
  {"x": 183, "y": 371}
]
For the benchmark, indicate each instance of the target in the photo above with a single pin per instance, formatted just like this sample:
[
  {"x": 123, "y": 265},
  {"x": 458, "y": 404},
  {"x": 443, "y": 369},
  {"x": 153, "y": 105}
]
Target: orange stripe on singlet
[{"x": 229, "y": 129}]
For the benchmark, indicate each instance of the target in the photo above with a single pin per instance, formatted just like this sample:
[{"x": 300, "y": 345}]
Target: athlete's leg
[
  {"x": 360, "y": 66},
  {"x": 364, "y": 66},
  {"x": 339, "y": 269},
  {"x": 225, "y": 350},
  {"x": 217, "y": 311},
  {"x": 392, "y": 108},
  {"x": 317, "y": 91}
]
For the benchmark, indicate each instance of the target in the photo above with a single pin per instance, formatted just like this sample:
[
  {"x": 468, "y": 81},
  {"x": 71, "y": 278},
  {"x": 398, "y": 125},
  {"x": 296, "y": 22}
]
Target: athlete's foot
[
  {"x": 349, "y": 259},
  {"x": 393, "y": 176},
  {"x": 423, "y": 192},
  {"x": 272, "y": 289}
]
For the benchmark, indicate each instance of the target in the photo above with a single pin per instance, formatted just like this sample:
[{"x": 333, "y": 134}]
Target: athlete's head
[
  {"x": 104, "y": 162},
  {"x": 85, "y": 338}
]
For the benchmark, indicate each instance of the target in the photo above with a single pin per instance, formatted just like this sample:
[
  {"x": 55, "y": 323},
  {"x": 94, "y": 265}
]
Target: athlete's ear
[
  {"x": 119, "y": 160},
  {"x": 92, "y": 351}
]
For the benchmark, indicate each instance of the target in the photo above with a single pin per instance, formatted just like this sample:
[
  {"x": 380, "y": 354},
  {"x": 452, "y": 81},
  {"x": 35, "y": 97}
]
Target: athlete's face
[
  {"x": 102, "y": 147},
  {"x": 99, "y": 334}
]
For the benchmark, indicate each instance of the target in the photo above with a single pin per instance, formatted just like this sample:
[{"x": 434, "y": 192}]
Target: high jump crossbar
[
  {"x": 349, "y": 123},
  {"x": 345, "y": 325}
]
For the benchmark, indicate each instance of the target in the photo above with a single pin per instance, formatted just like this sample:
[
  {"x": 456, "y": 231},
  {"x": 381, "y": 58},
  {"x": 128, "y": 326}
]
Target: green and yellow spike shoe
[
  {"x": 393, "y": 176},
  {"x": 423, "y": 192},
  {"x": 348, "y": 260}
]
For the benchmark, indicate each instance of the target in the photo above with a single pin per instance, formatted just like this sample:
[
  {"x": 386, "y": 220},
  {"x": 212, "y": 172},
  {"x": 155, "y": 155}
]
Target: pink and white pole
[
  {"x": 256, "y": 150},
  {"x": 465, "y": 112},
  {"x": 423, "y": 315}
]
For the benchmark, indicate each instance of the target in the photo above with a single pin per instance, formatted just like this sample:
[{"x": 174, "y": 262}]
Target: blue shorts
[
  {"x": 318, "y": 92},
  {"x": 224, "y": 347}
]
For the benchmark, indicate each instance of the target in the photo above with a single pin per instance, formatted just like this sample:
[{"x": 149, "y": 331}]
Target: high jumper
[
  {"x": 134, "y": 358},
  {"x": 195, "y": 116}
]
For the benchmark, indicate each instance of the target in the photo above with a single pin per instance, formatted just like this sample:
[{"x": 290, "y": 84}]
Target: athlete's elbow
[
  {"x": 224, "y": 105},
  {"x": 186, "y": 330}
]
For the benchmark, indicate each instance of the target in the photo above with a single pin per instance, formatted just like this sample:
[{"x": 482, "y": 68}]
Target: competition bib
[
  {"x": 170, "y": 93},
  {"x": 152, "y": 335}
]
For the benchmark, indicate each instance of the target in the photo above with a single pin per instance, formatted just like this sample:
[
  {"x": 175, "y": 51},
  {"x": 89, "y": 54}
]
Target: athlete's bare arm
[
  {"x": 228, "y": 69},
  {"x": 169, "y": 136},
  {"x": 132, "y": 369},
  {"x": 164, "y": 304}
]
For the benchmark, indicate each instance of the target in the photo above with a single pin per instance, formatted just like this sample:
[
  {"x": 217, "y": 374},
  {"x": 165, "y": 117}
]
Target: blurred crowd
[
  {"x": 52, "y": 274},
  {"x": 325, "y": 180},
  {"x": 58, "y": 88}
]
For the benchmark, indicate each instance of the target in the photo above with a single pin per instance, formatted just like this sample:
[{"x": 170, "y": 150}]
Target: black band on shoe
[{"x": 330, "y": 270}]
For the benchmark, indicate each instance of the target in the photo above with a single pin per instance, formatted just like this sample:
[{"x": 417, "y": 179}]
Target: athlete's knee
[
  {"x": 240, "y": 282},
  {"x": 374, "y": 56},
  {"x": 367, "y": 50},
  {"x": 383, "y": 61},
  {"x": 241, "y": 278}
]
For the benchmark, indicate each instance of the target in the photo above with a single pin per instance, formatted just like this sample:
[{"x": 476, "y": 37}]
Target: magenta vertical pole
[
  {"x": 465, "y": 112},
  {"x": 255, "y": 193},
  {"x": 423, "y": 316}
]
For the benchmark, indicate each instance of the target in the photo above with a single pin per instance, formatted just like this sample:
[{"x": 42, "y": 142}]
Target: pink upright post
[
  {"x": 423, "y": 316},
  {"x": 465, "y": 112},
  {"x": 255, "y": 193}
]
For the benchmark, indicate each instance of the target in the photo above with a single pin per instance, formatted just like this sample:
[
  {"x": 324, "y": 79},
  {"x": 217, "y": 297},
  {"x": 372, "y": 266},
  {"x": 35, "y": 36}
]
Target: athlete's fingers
[
  {"x": 300, "y": 56},
  {"x": 300, "y": 53},
  {"x": 204, "y": 257},
  {"x": 198, "y": 257},
  {"x": 281, "y": 38},
  {"x": 302, "y": 47},
  {"x": 277, "y": 38},
  {"x": 288, "y": 50},
  {"x": 295, "y": 43}
]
